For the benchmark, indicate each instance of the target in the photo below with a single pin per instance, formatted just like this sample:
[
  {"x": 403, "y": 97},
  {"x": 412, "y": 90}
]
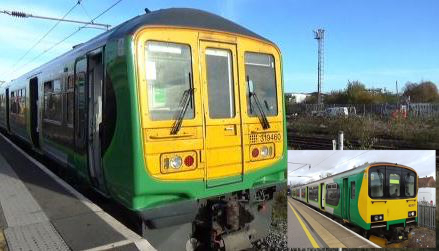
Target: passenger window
[
  {"x": 168, "y": 75},
  {"x": 52, "y": 101},
  {"x": 376, "y": 184},
  {"x": 220, "y": 83},
  {"x": 259, "y": 69}
]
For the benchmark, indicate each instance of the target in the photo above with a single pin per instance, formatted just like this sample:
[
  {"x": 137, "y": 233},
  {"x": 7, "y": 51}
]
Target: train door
[
  {"x": 307, "y": 194},
  {"x": 80, "y": 115},
  {"x": 33, "y": 100},
  {"x": 351, "y": 197},
  {"x": 345, "y": 199},
  {"x": 95, "y": 71},
  {"x": 322, "y": 195},
  {"x": 8, "y": 127},
  {"x": 223, "y": 122}
]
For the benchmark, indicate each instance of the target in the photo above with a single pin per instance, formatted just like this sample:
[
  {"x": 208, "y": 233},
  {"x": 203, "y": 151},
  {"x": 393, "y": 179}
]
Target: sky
[
  {"x": 323, "y": 161},
  {"x": 376, "y": 42}
]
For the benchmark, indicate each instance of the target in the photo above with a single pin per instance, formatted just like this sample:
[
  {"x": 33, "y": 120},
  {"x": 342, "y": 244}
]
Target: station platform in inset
[
  {"x": 39, "y": 211},
  {"x": 308, "y": 228}
]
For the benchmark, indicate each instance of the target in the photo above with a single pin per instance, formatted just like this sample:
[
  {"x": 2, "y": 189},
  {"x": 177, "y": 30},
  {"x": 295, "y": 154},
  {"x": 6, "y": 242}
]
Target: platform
[
  {"x": 308, "y": 228},
  {"x": 39, "y": 211}
]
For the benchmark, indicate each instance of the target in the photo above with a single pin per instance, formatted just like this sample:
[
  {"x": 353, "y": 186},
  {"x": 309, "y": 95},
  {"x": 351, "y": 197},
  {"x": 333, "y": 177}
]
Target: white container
[{"x": 427, "y": 194}]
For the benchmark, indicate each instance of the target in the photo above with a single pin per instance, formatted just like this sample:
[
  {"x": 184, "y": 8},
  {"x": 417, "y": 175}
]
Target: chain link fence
[{"x": 381, "y": 110}]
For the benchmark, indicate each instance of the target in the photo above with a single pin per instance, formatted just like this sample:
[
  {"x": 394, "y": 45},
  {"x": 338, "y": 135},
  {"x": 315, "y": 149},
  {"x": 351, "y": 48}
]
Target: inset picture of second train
[{"x": 366, "y": 199}]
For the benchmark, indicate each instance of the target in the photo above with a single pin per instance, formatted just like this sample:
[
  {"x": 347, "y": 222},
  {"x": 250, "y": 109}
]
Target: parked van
[
  {"x": 427, "y": 195},
  {"x": 337, "y": 111}
]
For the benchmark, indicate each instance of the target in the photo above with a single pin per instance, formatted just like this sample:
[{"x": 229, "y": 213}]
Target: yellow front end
[
  {"x": 221, "y": 135},
  {"x": 389, "y": 196}
]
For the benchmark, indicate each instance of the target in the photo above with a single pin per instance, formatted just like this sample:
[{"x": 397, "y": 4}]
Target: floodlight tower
[{"x": 319, "y": 34}]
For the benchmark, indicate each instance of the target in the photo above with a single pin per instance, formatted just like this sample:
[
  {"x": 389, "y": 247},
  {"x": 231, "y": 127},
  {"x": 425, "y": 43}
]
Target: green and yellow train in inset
[
  {"x": 177, "y": 114},
  {"x": 379, "y": 197}
]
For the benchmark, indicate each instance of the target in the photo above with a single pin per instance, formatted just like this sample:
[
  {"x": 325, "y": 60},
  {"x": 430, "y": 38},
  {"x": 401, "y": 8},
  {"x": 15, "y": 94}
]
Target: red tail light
[
  {"x": 189, "y": 160},
  {"x": 255, "y": 152}
]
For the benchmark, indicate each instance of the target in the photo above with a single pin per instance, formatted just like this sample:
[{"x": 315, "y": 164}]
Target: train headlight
[
  {"x": 412, "y": 213},
  {"x": 264, "y": 151},
  {"x": 175, "y": 162},
  {"x": 378, "y": 217}
]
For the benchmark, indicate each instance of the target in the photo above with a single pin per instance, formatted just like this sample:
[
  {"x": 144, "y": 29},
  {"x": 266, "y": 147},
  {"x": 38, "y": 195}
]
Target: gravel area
[
  {"x": 276, "y": 239},
  {"x": 421, "y": 237}
]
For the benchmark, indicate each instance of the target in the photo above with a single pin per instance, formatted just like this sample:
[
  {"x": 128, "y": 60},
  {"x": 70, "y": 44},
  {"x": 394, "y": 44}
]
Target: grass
[
  {"x": 419, "y": 132},
  {"x": 280, "y": 205}
]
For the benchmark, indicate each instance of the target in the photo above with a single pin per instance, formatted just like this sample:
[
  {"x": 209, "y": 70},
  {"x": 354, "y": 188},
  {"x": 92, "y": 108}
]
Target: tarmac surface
[{"x": 39, "y": 211}]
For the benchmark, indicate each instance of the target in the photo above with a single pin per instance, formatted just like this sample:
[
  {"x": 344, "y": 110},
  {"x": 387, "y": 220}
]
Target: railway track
[{"x": 325, "y": 143}]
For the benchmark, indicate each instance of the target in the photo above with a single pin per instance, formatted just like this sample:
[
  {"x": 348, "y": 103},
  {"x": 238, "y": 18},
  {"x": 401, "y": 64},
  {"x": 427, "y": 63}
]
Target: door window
[
  {"x": 80, "y": 104},
  {"x": 332, "y": 194},
  {"x": 353, "y": 190},
  {"x": 220, "y": 83},
  {"x": 394, "y": 185}
]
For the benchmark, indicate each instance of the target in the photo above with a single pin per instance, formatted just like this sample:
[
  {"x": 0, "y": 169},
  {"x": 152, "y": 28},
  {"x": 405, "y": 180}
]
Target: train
[
  {"x": 176, "y": 114},
  {"x": 380, "y": 198}
]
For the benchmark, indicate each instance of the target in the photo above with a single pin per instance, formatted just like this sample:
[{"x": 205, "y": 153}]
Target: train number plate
[{"x": 256, "y": 138}]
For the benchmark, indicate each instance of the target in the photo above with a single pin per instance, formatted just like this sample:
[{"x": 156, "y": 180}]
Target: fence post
[{"x": 340, "y": 140}]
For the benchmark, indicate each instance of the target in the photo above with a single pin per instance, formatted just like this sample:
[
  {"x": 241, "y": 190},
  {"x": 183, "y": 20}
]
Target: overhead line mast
[{"x": 320, "y": 36}]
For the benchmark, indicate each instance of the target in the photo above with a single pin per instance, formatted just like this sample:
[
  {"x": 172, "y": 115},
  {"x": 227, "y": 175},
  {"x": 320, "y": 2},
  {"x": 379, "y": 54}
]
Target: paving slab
[{"x": 41, "y": 213}]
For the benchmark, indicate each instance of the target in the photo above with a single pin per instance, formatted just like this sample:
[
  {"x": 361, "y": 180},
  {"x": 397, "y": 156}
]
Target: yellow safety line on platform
[
  {"x": 320, "y": 230},
  {"x": 311, "y": 239}
]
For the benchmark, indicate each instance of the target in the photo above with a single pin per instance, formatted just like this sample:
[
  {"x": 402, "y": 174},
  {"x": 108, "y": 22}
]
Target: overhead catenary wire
[
  {"x": 326, "y": 158},
  {"x": 41, "y": 39},
  {"x": 348, "y": 160},
  {"x": 303, "y": 165},
  {"x": 83, "y": 8},
  {"x": 70, "y": 35},
  {"x": 335, "y": 165}
]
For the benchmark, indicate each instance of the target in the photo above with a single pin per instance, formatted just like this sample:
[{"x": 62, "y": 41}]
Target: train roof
[
  {"x": 179, "y": 17},
  {"x": 184, "y": 17},
  {"x": 357, "y": 170}
]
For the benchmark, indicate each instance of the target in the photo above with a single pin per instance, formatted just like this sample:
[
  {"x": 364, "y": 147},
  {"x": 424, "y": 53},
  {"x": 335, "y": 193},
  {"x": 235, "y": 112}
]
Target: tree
[
  {"x": 357, "y": 93},
  {"x": 424, "y": 92},
  {"x": 322, "y": 175},
  {"x": 311, "y": 99}
]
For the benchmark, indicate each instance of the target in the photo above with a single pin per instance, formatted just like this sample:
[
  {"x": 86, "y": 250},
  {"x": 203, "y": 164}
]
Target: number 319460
[{"x": 269, "y": 137}]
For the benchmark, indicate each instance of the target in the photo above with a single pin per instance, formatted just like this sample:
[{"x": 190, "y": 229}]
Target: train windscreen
[
  {"x": 391, "y": 182},
  {"x": 259, "y": 69},
  {"x": 168, "y": 71}
]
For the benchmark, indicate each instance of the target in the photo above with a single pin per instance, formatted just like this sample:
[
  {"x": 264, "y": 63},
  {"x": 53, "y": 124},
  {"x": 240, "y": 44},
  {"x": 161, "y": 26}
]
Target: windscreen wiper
[
  {"x": 262, "y": 117},
  {"x": 186, "y": 99}
]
